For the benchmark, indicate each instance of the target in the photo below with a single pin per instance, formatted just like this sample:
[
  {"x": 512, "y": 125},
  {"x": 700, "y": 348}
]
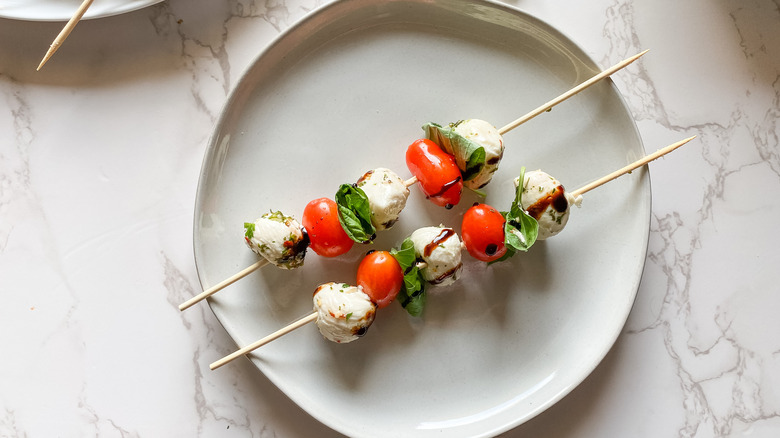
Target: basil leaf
[
  {"x": 475, "y": 163},
  {"x": 469, "y": 155},
  {"x": 412, "y": 294},
  {"x": 405, "y": 255},
  {"x": 520, "y": 232},
  {"x": 520, "y": 229},
  {"x": 415, "y": 305},
  {"x": 355, "y": 213}
]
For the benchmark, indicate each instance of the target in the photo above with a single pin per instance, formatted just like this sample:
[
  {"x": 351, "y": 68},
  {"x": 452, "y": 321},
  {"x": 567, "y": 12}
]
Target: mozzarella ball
[
  {"x": 278, "y": 238},
  {"x": 440, "y": 249},
  {"x": 487, "y": 136},
  {"x": 344, "y": 312},
  {"x": 545, "y": 199},
  {"x": 386, "y": 194}
]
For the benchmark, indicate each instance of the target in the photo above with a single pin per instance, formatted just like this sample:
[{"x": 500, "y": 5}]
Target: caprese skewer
[
  {"x": 343, "y": 313},
  {"x": 329, "y": 227}
]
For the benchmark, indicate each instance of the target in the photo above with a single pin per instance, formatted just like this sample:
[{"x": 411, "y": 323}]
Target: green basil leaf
[
  {"x": 355, "y": 213},
  {"x": 415, "y": 305},
  {"x": 405, "y": 254},
  {"x": 412, "y": 294},
  {"x": 469, "y": 155},
  {"x": 520, "y": 232},
  {"x": 352, "y": 226},
  {"x": 475, "y": 163},
  {"x": 520, "y": 229},
  {"x": 413, "y": 282}
]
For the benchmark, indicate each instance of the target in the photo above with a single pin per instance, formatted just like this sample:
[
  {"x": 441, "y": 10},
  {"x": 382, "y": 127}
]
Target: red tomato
[
  {"x": 321, "y": 220},
  {"x": 380, "y": 276},
  {"x": 483, "y": 232},
  {"x": 436, "y": 171}
]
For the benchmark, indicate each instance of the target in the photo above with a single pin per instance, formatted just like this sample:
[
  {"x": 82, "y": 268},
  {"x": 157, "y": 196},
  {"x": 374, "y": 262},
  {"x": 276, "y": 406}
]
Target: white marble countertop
[{"x": 99, "y": 158}]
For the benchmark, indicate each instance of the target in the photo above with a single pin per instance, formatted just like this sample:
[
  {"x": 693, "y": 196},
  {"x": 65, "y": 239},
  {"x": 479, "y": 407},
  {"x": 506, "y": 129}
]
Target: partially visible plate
[
  {"x": 346, "y": 90},
  {"x": 62, "y": 10}
]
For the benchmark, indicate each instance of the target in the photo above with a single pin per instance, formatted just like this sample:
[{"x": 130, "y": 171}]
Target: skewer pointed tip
[
  {"x": 640, "y": 162},
  {"x": 66, "y": 31},
  {"x": 47, "y": 56},
  {"x": 604, "y": 74},
  {"x": 673, "y": 146},
  {"x": 631, "y": 59}
]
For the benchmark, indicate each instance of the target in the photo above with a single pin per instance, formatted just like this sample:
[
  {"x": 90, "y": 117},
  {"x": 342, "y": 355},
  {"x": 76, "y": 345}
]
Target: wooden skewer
[
  {"x": 277, "y": 334},
  {"x": 641, "y": 162},
  {"x": 570, "y": 93},
  {"x": 411, "y": 181},
  {"x": 223, "y": 284},
  {"x": 65, "y": 31}
]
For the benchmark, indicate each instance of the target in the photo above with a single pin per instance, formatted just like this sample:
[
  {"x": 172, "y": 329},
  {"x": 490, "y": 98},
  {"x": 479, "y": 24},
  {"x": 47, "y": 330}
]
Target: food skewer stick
[
  {"x": 277, "y": 334},
  {"x": 65, "y": 31},
  {"x": 641, "y": 162},
  {"x": 223, "y": 284},
  {"x": 413, "y": 180},
  {"x": 570, "y": 93},
  {"x": 313, "y": 316}
]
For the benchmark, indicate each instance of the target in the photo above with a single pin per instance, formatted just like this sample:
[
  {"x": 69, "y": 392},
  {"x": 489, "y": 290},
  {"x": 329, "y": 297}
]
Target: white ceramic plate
[
  {"x": 62, "y": 10},
  {"x": 346, "y": 90}
]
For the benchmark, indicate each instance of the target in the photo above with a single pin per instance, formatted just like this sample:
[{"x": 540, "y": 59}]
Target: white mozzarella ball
[
  {"x": 487, "y": 136},
  {"x": 386, "y": 194},
  {"x": 344, "y": 312},
  {"x": 440, "y": 249},
  {"x": 545, "y": 199},
  {"x": 278, "y": 238}
]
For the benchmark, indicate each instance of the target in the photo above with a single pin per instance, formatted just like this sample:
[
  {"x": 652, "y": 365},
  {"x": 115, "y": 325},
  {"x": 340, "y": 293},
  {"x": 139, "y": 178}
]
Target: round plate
[
  {"x": 347, "y": 90},
  {"x": 63, "y": 10}
]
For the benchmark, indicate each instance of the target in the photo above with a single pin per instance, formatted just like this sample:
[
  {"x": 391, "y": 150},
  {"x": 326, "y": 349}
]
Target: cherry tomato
[
  {"x": 380, "y": 276},
  {"x": 321, "y": 221},
  {"x": 483, "y": 232},
  {"x": 436, "y": 171}
]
